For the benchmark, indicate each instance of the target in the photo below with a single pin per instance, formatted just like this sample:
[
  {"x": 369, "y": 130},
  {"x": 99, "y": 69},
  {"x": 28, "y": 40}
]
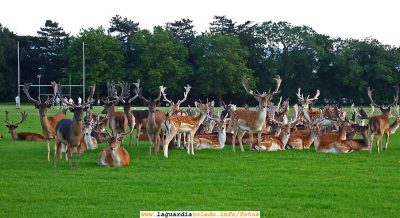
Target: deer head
[
  {"x": 385, "y": 112},
  {"x": 42, "y": 106},
  {"x": 263, "y": 98},
  {"x": 307, "y": 101},
  {"x": 153, "y": 103},
  {"x": 175, "y": 107},
  {"x": 12, "y": 126}
]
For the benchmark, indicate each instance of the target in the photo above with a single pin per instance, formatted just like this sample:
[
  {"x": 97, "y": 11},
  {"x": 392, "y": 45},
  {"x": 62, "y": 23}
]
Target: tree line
[{"x": 212, "y": 62}]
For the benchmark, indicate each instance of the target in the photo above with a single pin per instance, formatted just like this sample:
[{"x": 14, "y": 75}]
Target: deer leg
[
  {"x": 379, "y": 140},
  {"x": 233, "y": 140},
  {"x": 371, "y": 141},
  {"x": 166, "y": 143},
  {"x": 184, "y": 138},
  {"x": 178, "y": 144},
  {"x": 48, "y": 150},
  {"x": 192, "y": 141},
  {"x": 240, "y": 139},
  {"x": 162, "y": 138},
  {"x": 77, "y": 156},
  {"x": 138, "y": 128},
  {"x": 156, "y": 142},
  {"x": 259, "y": 142},
  {"x": 150, "y": 141},
  {"x": 387, "y": 140},
  {"x": 188, "y": 148},
  {"x": 69, "y": 156},
  {"x": 58, "y": 149},
  {"x": 251, "y": 141}
]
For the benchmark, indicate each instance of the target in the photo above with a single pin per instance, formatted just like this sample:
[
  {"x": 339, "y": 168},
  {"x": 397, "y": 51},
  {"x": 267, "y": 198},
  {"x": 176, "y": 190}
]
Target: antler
[
  {"x": 165, "y": 96},
  {"x": 396, "y": 109},
  {"x": 125, "y": 90},
  {"x": 130, "y": 132},
  {"x": 315, "y": 97},
  {"x": 396, "y": 97},
  {"x": 335, "y": 110},
  {"x": 7, "y": 119},
  {"x": 137, "y": 91},
  {"x": 26, "y": 88},
  {"x": 24, "y": 116},
  {"x": 187, "y": 88},
  {"x": 370, "y": 97},
  {"x": 250, "y": 92},
  {"x": 363, "y": 114},
  {"x": 59, "y": 90},
  {"x": 278, "y": 84},
  {"x": 91, "y": 89},
  {"x": 299, "y": 96}
]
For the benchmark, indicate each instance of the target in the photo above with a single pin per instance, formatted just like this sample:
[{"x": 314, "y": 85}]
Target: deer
[
  {"x": 272, "y": 142},
  {"x": 355, "y": 144},
  {"x": 91, "y": 141},
  {"x": 155, "y": 121},
  {"x": 117, "y": 120},
  {"x": 70, "y": 131},
  {"x": 323, "y": 142},
  {"x": 211, "y": 141},
  {"x": 48, "y": 123},
  {"x": 379, "y": 125},
  {"x": 300, "y": 141},
  {"x": 176, "y": 111},
  {"x": 22, "y": 136},
  {"x": 140, "y": 116},
  {"x": 252, "y": 121},
  {"x": 114, "y": 155},
  {"x": 310, "y": 114},
  {"x": 179, "y": 124}
]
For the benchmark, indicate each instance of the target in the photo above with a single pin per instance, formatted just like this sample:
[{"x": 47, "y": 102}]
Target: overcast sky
[{"x": 339, "y": 18}]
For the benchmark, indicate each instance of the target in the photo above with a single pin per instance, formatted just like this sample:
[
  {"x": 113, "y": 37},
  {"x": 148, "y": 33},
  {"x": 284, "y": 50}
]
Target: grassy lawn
[{"x": 287, "y": 183}]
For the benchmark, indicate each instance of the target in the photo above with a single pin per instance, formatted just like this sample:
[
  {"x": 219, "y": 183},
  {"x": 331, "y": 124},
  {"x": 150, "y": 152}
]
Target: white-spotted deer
[
  {"x": 70, "y": 132},
  {"x": 355, "y": 144},
  {"x": 114, "y": 155},
  {"x": 309, "y": 113},
  {"x": 117, "y": 120},
  {"x": 155, "y": 122},
  {"x": 48, "y": 123},
  {"x": 211, "y": 141},
  {"x": 22, "y": 136},
  {"x": 243, "y": 120},
  {"x": 379, "y": 125},
  {"x": 179, "y": 124},
  {"x": 177, "y": 111}
]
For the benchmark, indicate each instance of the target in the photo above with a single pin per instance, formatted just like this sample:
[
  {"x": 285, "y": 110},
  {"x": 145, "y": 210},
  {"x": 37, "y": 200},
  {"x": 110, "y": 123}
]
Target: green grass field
[{"x": 290, "y": 183}]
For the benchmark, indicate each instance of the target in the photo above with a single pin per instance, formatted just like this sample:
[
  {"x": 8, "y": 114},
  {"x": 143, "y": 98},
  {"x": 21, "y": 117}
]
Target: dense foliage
[{"x": 212, "y": 62}]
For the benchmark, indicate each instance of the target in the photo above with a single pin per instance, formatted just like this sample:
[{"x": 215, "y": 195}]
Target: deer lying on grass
[
  {"x": 300, "y": 141},
  {"x": 355, "y": 144},
  {"x": 212, "y": 141},
  {"x": 114, "y": 155},
  {"x": 155, "y": 122},
  {"x": 323, "y": 142},
  {"x": 48, "y": 123},
  {"x": 22, "y": 136},
  {"x": 252, "y": 121},
  {"x": 179, "y": 124},
  {"x": 380, "y": 124},
  {"x": 70, "y": 132}
]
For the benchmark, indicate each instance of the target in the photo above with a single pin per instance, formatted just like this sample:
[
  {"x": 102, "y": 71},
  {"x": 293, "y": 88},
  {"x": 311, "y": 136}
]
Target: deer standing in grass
[
  {"x": 179, "y": 124},
  {"x": 114, "y": 155},
  {"x": 22, "y": 136},
  {"x": 243, "y": 120},
  {"x": 138, "y": 115},
  {"x": 176, "y": 111},
  {"x": 155, "y": 122},
  {"x": 379, "y": 125},
  {"x": 70, "y": 132},
  {"x": 48, "y": 123},
  {"x": 117, "y": 120}
]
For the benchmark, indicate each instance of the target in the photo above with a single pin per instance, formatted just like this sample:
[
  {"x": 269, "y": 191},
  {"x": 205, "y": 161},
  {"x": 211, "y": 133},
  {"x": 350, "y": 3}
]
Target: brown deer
[
  {"x": 243, "y": 120},
  {"x": 139, "y": 116},
  {"x": 117, "y": 120},
  {"x": 48, "y": 123},
  {"x": 114, "y": 155},
  {"x": 355, "y": 144},
  {"x": 178, "y": 124},
  {"x": 155, "y": 122},
  {"x": 70, "y": 131},
  {"x": 309, "y": 113},
  {"x": 380, "y": 124},
  {"x": 90, "y": 141},
  {"x": 22, "y": 136}
]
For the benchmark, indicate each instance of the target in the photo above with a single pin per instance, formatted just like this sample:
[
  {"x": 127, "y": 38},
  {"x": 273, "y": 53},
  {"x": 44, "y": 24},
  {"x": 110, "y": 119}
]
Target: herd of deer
[{"x": 327, "y": 129}]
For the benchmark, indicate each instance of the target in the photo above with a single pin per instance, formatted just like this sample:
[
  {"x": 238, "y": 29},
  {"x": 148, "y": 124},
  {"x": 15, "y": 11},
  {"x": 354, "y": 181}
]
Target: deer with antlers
[
  {"x": 48, "y": 123},
  {"x": 309, "y": 113},
  {"x": 117, "y": 121},
  {"x": 91, "y": 141},
  {"x": 139, "y": 115},
  {"x": 243, "y": 120},
  {"x": 114, "y": 155},
  {"x": 179, "y": 124},
  {"x": 22, "y": 136},
  {"x": 155, "y": 121},
  {"x": 70, "y": 131},
  {"x": 379, "y": 125}
]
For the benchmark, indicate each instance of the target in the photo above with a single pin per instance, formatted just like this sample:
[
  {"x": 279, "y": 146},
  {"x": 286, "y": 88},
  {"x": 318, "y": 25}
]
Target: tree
[
  {"x": 220, "y": 65},
  {"x": 160, "y": 60},
  {"x": 103, "y": 59},
  {"x": 183, "y": 30},
  {"x": 8, "y": 63}
]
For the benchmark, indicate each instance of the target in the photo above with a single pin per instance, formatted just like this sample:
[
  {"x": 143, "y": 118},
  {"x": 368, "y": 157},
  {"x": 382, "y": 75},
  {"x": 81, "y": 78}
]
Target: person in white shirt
[
  {"x": 17, "y": 101},
  {"x": 79, "y": 101}
]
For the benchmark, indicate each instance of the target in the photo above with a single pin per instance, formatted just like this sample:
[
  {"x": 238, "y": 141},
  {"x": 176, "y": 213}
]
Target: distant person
[
  {"x": 79, "y": 101},
  {"x": 98, "y": 102},
  {"x": 70, "y": 100},
  {"x": 90, "y": 105},
  {"x": 65, "y": 105},
  {"x": 17, "y": 102},
  {"x": 58, "y": 102},
  {"x": 52, "y": 104}
]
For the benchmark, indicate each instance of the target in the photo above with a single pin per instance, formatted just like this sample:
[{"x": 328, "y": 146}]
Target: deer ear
[
  {"x": 36, "y": 106},
  {"x": 131, "y": 104},
  {"x": 145, "y": 103},
  {"x": 49, "y": 105},
  {"x": 85, "y": 108},
  {"x": 71, "y": 109},
  {"x": 8, "y": 126}
]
